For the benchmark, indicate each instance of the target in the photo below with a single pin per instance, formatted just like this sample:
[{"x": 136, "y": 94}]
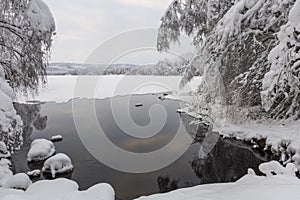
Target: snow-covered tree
[
  {"x": 234, "y": 39},
  {"x": 26, "y": 30}
]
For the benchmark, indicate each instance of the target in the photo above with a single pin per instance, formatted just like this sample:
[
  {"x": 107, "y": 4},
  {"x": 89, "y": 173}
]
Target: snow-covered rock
[
  {"x": 59, "y": 189},
  {"x": 58, "y": 164},
  {"x": 19, "y": 181},
  {"x": 34, "y": 173},
  {"x": 40, "y": 149},
  {"x": 5, "y": 172},
  {"x": 4, "y": 153},
  {"x": 56, "y": 138}
]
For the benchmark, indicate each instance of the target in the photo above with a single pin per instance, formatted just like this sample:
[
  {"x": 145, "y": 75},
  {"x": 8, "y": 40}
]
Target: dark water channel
[{"x": 227, "y": 161}]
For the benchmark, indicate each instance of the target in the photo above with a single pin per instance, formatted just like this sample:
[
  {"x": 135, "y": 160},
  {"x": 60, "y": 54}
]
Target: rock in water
[
  {"x": 40, "y": 149},
  {"x": 58, "y": 164}
]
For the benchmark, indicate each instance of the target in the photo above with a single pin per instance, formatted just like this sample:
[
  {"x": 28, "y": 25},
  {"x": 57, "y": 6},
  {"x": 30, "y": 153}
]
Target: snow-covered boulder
[
  {"x": 5, "y": 172},
  {"x": 34, "y": 173},
  {"x": 4, "y": 153},
  {"x": 58, "y": 164},
  {"x": 19, "y": 181},
  {"x": 40, "y": 149}
]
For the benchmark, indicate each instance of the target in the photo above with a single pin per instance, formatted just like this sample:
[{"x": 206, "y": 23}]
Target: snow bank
[
  {"x": 275, "y": 187},
  {"x": 19, "y": 181},
  {"x": 59, "y": 189},
  {"x": 40, "y": 149},
  {"x": 58, "y": 164},
  {"x": 5, "y": 172},
  {"x": 108, "y": 86}
]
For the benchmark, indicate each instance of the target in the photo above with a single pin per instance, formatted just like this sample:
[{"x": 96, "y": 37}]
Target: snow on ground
[
  {"x": 19, "y": 181},
  {"x": 5, "y": 172},
  {"x": 61, "y": 88},
  {"x": 40, "y": 149},
  {"x": 58, "y": 164},
  {"x": 283, "y": 185},
  {"x": 59, "y": 189}
]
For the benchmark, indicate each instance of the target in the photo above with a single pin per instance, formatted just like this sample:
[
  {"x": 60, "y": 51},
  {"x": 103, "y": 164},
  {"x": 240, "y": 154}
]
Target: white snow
[
  {"x": 61, "y": 88},
  {"x": 4, "y": 153},
  {"x": 34, "y": 173},
  {"x": 275, "y": 187},
  {"x": 59, "y": 189},
  {"x": 19, "y": 181},
  {"x": 59, "y": 163},
  {"x": 40, "y": 16},
  {"x": 40, "y": 149},
  {"x": 5, "y": 172}
]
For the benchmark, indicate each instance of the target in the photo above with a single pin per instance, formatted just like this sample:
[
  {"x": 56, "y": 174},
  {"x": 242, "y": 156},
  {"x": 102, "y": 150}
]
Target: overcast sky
[{"x": 82, "y": 25}]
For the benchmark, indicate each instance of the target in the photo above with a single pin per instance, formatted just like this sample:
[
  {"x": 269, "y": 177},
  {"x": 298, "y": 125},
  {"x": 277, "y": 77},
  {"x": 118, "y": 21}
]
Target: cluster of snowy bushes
[
  {"x": 10, "y": 122},
  {"x": 248, "y": 51}
]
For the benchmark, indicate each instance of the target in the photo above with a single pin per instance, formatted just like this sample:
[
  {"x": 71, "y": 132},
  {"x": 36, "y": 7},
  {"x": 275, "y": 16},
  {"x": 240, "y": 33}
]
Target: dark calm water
[{"x": 226, "y": 162}]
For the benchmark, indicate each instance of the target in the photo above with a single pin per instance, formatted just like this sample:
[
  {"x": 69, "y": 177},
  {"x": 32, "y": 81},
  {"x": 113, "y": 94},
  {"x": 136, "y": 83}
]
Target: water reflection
[
  {"x": 32, "y": 119},
  {"x": 226, "y": 162}
]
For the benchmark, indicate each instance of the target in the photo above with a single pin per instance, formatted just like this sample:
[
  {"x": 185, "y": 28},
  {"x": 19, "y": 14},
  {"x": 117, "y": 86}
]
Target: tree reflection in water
[{"x": 32, "y": 118}]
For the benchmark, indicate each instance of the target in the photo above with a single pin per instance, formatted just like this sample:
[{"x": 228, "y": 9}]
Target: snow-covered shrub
[
  {"x": 5, "y": 172},
  {"x": 40, "y": 149},
  {"x": 4, "y": 153},
  {"x": 10, "y": 122},
  {"x": 19, "y": 181},
  {"x": 58, "y": 164}
]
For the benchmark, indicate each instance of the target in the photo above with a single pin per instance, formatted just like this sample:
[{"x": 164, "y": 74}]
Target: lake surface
[{"x": 228, "y": 161}]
